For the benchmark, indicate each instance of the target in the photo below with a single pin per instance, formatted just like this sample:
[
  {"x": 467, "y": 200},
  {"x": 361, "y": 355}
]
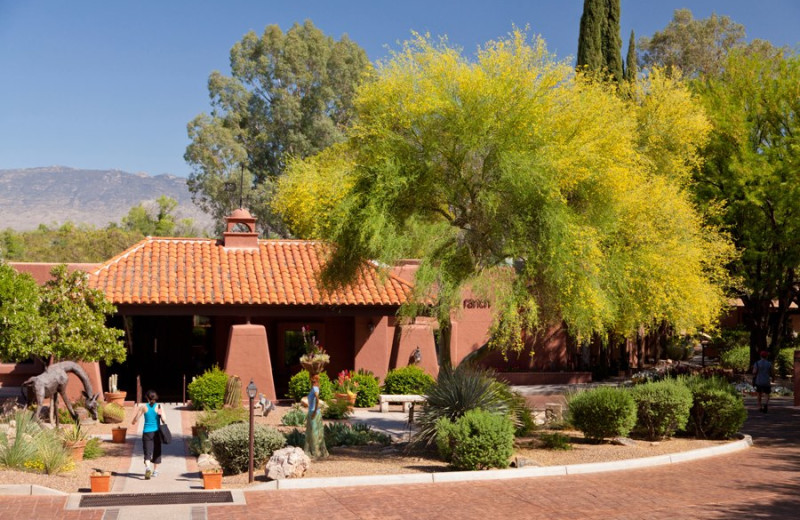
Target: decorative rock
[
  {"x": 207, "y": 461},
  {"x": 522, "y": 462},
  {"x": 623, "y": 441},
  {"x": 291, "y": 462}
]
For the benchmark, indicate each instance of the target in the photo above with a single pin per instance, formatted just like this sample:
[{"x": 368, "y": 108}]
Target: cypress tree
[
  {"x": 590, "y": 38},
  {"x": 611, "y": 40},
  {"x": 631, "y": 68}
]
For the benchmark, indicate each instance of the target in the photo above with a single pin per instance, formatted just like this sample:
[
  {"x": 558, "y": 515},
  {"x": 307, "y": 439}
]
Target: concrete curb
[
  {"x": 454, "y": 476},
  {"x": 500, "y": 474}
]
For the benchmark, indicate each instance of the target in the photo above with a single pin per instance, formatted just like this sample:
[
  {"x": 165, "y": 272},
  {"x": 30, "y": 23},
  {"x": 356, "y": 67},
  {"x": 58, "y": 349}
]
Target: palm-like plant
[{"x": 457, "y": 390}]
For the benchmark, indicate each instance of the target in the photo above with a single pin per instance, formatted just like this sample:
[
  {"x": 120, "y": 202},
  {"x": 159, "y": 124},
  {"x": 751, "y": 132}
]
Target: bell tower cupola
[{"x": 240, "y": 230}]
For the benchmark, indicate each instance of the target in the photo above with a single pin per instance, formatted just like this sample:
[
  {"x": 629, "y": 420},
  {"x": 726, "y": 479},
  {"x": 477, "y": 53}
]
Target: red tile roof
[{"x": 202, "y": 271}]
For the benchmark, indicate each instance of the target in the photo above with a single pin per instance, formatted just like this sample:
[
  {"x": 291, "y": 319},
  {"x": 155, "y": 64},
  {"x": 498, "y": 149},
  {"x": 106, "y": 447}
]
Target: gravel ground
[{"x": 350, "y": 461}]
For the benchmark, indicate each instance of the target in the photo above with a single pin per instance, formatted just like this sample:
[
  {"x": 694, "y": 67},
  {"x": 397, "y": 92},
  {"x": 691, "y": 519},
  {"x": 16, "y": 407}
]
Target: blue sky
[{"x": 112, "y": 84}]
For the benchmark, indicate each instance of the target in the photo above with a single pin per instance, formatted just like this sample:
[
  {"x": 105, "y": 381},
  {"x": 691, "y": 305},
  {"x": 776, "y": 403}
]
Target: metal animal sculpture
[{"x": 52, "y": 383}]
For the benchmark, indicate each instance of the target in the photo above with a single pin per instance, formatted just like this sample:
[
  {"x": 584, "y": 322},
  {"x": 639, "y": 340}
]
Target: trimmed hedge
[
  {"x": 737, "y": 358},
  {"x": 603, "y": 412},
  {"x": 476, "y": 440},
  {"x": 230, "y": 446},
  {"x": 407, "y": 380},
  {"x": 662, "y": 408}
]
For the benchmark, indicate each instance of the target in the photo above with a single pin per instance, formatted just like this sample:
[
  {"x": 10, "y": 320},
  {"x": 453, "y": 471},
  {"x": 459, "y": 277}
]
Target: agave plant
[{"x": 457, "y": 390}]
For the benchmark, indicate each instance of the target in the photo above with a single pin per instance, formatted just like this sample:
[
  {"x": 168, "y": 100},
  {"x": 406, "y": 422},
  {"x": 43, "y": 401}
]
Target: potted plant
[
  {"x": 118, "y": 434},
  {"x": 75, "y": 440},
  {"x": 100, "y": 481},
  {"x": 315, "y": 358},
  {"x": 346, "y": 388},
  {"x": 114, "y": 394},
  {"x": 212, "y": 478}
]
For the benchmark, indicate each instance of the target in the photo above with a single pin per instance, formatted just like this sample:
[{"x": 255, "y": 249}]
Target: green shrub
[
  {"x": 342, "y": 434},
  {"x": 662, "y": 408},
  {"x": 112, "y": 413},
  {"x": 294, "y": 417},
  {"x": 680, "y": 348},
  {"x": 300, "y": 386},
  {"x": 336, "y": 409},
  {"x": 230, "y": 446},
  {"x": 519, "y": 412},
  {"x": 200, "y": 444},
  {"x": 207, "y": 391},
  {"x": 555, "y": 441},
  {"x": 94, "y": 449},
  {"x": 295, "y": 438},
  {"x": 65, "y": 418},
  {"x": 737, "y": 358},
  {"x": 603, "y": 412},
  {"x": 458, "y": 390},
  {"x": 717, "y": 408},
  {"x": 211, "y": 420},
  {"x": 369, "y": 390},
  {"x": 477, "y": 440},
  {"x": 407, "y": 380},
  {"x": 784, "y": 363}
]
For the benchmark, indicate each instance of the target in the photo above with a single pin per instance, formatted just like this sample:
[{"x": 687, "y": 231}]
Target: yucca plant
[{"x": 457, "y": 390}]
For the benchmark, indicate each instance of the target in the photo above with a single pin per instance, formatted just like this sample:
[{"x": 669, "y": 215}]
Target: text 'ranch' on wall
[{"x": 470, "y": 303}]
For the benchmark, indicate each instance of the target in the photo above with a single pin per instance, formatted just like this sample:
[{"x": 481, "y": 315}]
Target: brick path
[{"x": 761, "y": 482}]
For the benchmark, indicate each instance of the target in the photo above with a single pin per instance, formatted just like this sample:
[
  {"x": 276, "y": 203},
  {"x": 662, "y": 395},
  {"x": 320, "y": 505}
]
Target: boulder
[{"x": 291, "y": 462}]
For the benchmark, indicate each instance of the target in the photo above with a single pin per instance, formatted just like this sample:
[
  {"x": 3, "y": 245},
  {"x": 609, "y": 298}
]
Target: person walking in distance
[
  {"x": 762, "y": 371},
  {"x": 151, "y": 440}
]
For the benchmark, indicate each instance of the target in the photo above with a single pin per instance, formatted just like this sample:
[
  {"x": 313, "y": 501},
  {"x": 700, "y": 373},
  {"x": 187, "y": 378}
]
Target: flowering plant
[
  {"x": 314, "y": 351},
  {"x": 345, "y": 383}
]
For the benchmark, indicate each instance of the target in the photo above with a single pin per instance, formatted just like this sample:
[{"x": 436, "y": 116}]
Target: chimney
[{"x": 240, "y": 231}]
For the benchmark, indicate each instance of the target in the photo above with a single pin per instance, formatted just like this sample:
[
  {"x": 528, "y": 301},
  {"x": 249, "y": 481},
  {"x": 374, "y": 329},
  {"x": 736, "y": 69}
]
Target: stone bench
[{"x": 405, "y": 399}]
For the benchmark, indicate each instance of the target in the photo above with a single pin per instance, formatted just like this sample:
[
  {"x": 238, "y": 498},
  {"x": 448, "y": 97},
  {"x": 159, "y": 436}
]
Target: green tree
[
  {"x": 75, "y": 315},
  {"x": 69, "y": 243},
  {"x": 631, "y": 68},
  {"x": 751, "y": 182},
  {"x": 612, "y": 41},
  {"x": 160, "y": 224},
  {"x": 543, "y": 191},
  {"x": 697, "y": 47},
  {"x": 599, "y": 42},
  {"x": 289, "y": 94},
  {"x": 21, "y": 326},
  {"x": 590, "y": 37}
]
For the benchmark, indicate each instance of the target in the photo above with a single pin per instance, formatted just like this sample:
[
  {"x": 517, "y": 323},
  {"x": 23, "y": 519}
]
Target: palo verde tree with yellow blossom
[{"x": 547, "y": 192}]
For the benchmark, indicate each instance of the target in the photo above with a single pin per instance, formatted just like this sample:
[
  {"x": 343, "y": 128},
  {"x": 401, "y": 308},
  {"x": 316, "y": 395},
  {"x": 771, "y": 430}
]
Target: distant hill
[{"x": 54, "y": 195}]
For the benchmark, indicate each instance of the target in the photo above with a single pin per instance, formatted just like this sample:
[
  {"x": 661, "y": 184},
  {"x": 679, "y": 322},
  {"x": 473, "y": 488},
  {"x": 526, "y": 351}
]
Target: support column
[
  {"x": 248, "y": 357},
  {"x": 796, "y": 378}
]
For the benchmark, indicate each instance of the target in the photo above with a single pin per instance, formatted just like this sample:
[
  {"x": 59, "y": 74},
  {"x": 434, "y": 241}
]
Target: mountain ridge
[{"x": 54, "y": 195}]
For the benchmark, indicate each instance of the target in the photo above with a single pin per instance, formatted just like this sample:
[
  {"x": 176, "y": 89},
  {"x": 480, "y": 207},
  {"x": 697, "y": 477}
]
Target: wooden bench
[{"x": 407, "y": 400}]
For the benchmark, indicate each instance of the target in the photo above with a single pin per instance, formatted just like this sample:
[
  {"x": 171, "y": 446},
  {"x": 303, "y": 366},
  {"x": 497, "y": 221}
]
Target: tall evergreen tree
[
  {"x": 612, "y": 41},
  {"x": 590, "y": 39},
  {"x": 631, "y": 67}
]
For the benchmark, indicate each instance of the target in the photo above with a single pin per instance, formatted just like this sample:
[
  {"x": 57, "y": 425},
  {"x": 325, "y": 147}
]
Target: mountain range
[{"x": 54, "y": 195}]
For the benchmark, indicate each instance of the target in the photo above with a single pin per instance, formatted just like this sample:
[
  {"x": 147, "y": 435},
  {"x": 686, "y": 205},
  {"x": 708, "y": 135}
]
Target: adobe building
[{"x": 187, "y": 304}]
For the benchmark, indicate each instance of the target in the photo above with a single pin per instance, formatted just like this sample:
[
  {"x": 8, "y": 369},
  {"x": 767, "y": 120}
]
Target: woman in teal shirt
[{"x": 151, "y": 441}]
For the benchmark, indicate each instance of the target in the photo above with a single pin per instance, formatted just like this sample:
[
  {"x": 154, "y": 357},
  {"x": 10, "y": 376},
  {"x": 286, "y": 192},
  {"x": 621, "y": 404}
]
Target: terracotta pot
[
  {"x": 212, "y": 479},
  {"x": 76, "y": 449},
  {"x": 118, "y": 434},
  {"x": 100, "y": 483},
  {"x": 115, "y": 397}
]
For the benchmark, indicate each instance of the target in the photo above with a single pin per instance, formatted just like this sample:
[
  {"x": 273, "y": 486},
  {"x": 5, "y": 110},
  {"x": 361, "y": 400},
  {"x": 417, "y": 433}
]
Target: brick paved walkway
[{"x": 761, "y": 482}]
